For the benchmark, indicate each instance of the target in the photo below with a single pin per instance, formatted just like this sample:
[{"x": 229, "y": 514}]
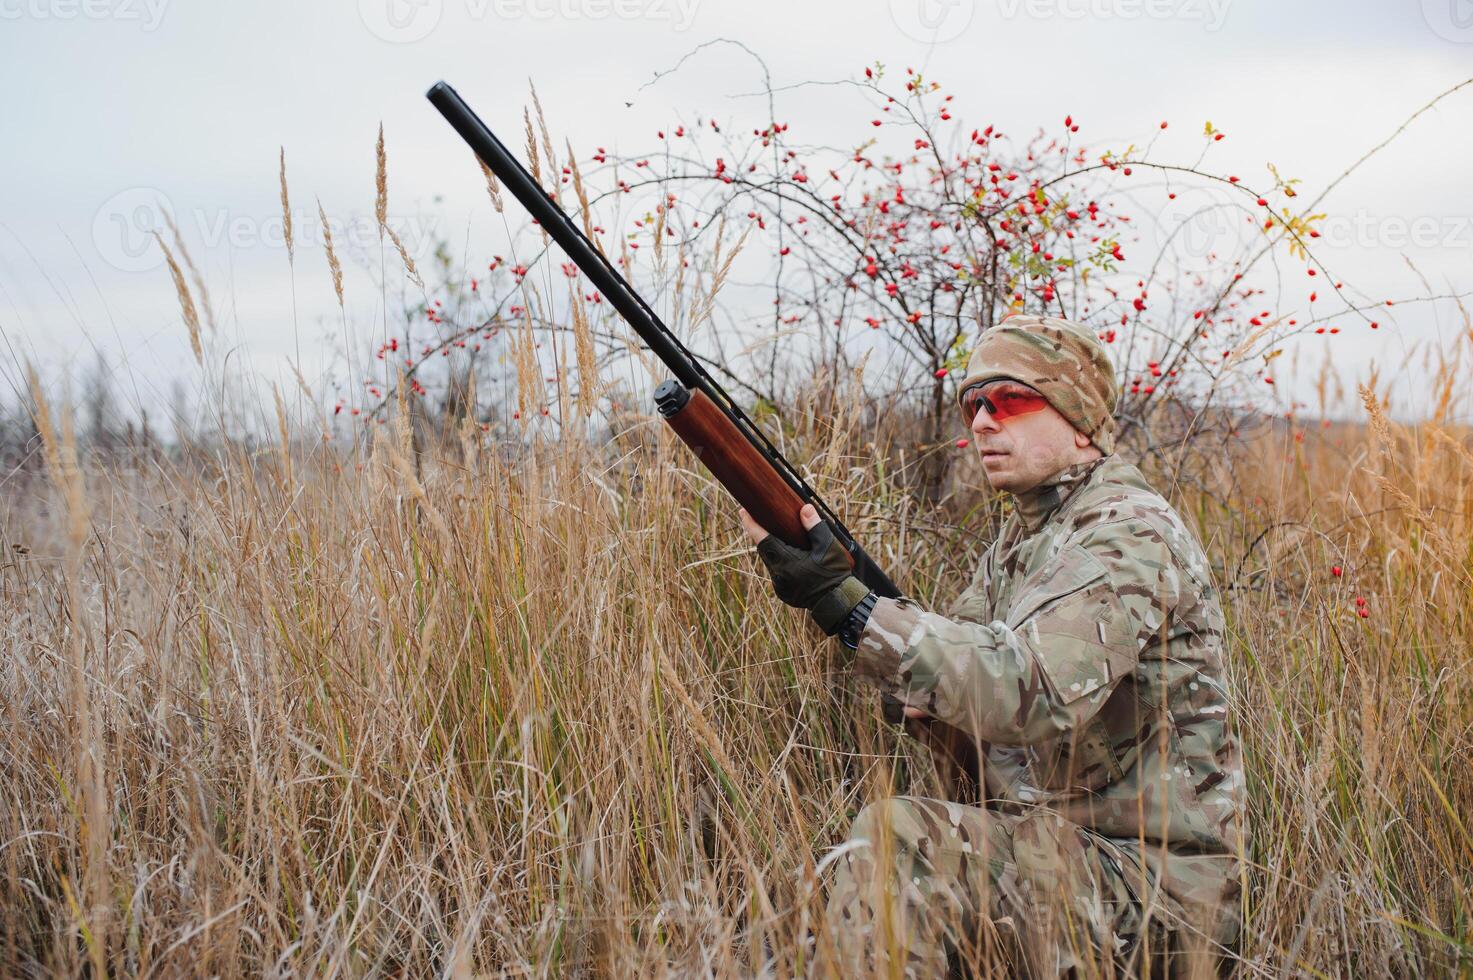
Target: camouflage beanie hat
[{"x": 1063, "y": 360}]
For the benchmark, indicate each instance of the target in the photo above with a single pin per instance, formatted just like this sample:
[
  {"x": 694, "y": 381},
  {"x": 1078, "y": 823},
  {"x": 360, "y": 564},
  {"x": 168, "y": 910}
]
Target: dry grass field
[{"x": 299, "y": 712}]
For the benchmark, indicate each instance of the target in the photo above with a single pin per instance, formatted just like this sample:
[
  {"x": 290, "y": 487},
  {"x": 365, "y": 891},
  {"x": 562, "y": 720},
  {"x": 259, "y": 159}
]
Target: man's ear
[{"x": 1081, "y": 441}]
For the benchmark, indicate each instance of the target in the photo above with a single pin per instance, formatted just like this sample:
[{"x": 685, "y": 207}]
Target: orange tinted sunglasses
[{"x": 1001, "y": 398}]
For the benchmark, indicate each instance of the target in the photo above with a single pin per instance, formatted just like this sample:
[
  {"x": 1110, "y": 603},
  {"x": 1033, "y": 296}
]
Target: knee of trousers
[
  {"x": 889, "y": 836},
  {"x": 1047, "y": 852},
  {"x": 939, "y": 854},
  {"x": 924, "y": 835},
  {"x": 902, "y": 823}
]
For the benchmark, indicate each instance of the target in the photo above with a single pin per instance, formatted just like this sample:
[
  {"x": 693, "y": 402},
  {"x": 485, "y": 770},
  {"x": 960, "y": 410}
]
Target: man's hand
[
  {"x": 817, "y": 578},
  {"x": 798, "y": 563},
  {"x": 808, "y": 516}
]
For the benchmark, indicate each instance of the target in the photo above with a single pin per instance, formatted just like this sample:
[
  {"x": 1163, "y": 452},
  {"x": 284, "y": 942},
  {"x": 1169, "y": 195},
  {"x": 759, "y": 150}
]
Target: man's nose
[{"x": 983, "y": 422}]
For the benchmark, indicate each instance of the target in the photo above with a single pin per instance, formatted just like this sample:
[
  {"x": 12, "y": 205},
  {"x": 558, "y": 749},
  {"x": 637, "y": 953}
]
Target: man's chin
[{"x": 995, "y": 469}]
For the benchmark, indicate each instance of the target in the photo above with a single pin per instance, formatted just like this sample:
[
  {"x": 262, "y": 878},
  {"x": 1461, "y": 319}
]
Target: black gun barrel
[
  {"x": 605, "y": 278},
  {"x": 608, "y": 281}
]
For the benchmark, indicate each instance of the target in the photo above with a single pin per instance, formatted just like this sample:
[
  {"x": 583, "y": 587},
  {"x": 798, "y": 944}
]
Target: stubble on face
[{"x": 1024, "y": 452}]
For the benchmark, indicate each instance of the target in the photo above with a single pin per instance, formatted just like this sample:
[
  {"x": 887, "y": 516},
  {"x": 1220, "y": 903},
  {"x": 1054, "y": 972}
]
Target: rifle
[{"x": 704, "y": 416}]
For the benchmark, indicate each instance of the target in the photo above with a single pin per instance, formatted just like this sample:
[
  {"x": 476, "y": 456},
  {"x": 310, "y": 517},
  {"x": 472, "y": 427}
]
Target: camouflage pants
[{"x": 920, "y": 876}]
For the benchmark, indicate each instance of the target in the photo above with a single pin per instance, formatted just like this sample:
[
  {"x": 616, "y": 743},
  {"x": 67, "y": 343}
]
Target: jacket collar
[{"x": 1035, "y": 507}]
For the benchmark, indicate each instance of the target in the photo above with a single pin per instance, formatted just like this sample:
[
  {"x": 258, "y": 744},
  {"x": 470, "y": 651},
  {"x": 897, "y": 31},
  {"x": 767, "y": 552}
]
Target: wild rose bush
[{"x": 898, "y": 253}]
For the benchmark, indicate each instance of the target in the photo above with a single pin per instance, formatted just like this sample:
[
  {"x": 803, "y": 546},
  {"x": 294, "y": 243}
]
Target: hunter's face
[{"x": 1022, "y": 439}]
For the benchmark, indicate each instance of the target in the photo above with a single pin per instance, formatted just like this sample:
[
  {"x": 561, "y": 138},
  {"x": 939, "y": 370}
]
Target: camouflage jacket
[{"x": 1086, "y": 655}]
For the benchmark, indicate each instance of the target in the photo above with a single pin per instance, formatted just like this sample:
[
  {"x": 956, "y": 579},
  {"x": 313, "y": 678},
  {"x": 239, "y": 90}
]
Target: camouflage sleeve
[{"x": 1075, "y": 627}]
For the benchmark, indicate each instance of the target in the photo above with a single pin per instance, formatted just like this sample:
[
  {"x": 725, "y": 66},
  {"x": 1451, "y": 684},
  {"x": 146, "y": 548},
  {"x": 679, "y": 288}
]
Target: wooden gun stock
[{"x": 733, "y": 460}]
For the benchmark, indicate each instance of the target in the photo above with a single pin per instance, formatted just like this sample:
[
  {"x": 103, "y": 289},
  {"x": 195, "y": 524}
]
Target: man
[{"x": 1085, "y": 657}]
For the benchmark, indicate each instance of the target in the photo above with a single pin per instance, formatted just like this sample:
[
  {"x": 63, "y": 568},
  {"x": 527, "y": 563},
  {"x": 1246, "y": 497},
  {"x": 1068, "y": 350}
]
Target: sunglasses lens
[
  {"x": 971, "y": 400},
  {"x": 1013, "y": 400},
  {"x": 1001, "y": 400}
]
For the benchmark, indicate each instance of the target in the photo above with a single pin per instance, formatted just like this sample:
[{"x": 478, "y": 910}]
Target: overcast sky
[{"x": 112, "y": 104}]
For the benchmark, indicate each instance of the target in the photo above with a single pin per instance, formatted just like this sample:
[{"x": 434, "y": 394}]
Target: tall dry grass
[
  {"x": 445, "y": 704},
  {"x": 537, "y": 713}
]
